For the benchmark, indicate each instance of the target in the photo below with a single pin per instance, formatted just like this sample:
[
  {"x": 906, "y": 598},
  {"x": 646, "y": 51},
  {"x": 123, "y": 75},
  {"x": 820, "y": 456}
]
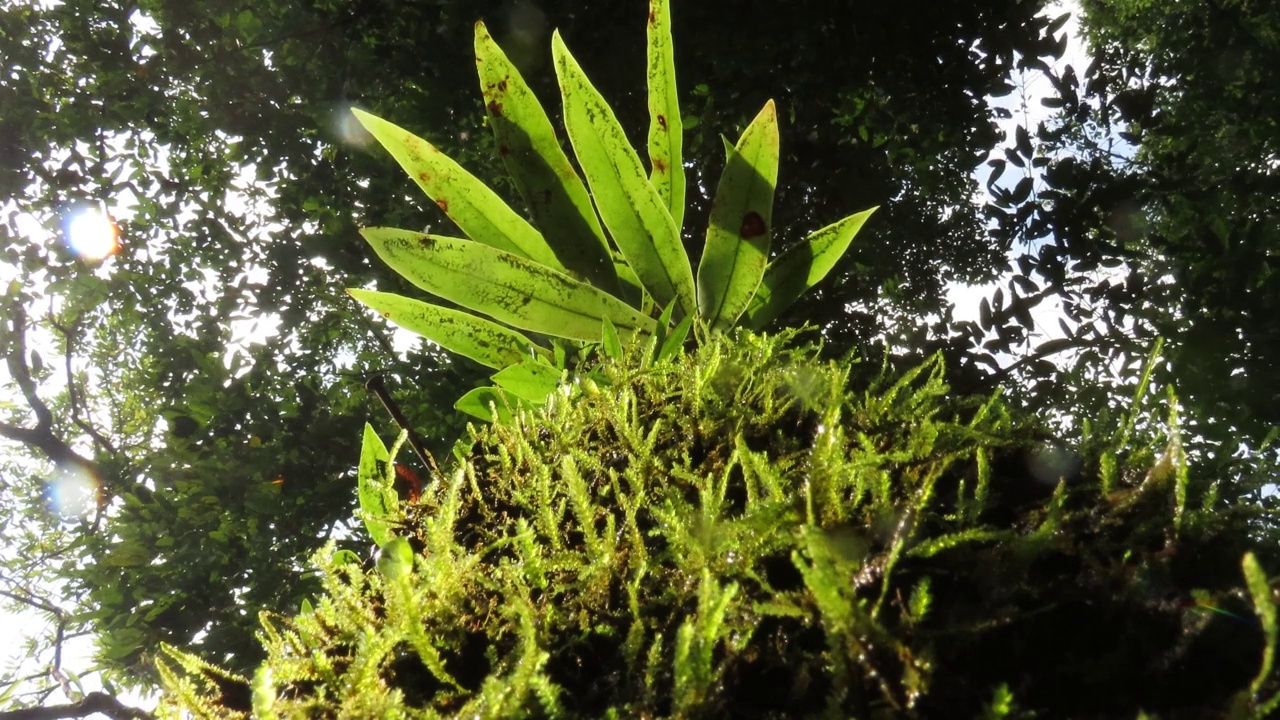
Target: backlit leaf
[
  {"x": 632, "y": 210},
  {"x": 802, "y": 267},
  {"x": 738, "y": 231},
  {"x": 469, "y": 203},
  {"x": 610, "y": 342},
  {"x": 503, "y": 286},
  {"x": 665, "y": 132},
  {"x": 550, "y": 186},
  {"x": 529, "y": 380},
  {"x": 674, "y": 342},
  {"x": 489, "y": 404},
  {"x": 395, "y": 559},
  {"x": 377, "y": 496},
  {"x": 458, "y": 332}
]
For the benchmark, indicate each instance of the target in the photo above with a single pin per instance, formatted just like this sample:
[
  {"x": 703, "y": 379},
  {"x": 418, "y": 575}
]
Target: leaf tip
[{"x": 366, "y": 118}]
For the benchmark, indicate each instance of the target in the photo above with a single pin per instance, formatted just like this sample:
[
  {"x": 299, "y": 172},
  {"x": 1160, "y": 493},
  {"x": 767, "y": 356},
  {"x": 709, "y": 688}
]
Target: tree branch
[
  {"x": 32, "y": 601},
  {"x": 46, "y": 442},
  {"x": 40, "y": 437},
  {"x": 94, "y": 702},
  {"x": 20, "y": 372}
]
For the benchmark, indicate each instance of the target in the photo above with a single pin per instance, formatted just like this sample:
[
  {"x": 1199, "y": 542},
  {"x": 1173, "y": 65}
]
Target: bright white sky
[{"x": 92, "y": 228}]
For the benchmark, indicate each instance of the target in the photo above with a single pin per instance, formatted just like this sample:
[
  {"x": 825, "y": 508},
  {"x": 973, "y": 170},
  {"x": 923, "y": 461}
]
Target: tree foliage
[{"x": 1147, "y": 201}]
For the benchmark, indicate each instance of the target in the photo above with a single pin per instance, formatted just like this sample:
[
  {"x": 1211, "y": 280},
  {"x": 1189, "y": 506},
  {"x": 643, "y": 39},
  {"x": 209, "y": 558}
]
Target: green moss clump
[{"x": 749, "y": 531}]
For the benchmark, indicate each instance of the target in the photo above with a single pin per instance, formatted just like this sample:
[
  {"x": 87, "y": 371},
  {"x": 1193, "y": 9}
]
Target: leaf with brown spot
[
  {"x": 636, "y": 215},
  {"x": 477, "y": 210},
  {"x": 737, "y": 249},
  {"x": 555, "y": 195},
  {"x": 508, "y": 288},
  {"x": 665, "y": 129},
  {"x": 802, "y": 267},
  {"x": 484, "y": 341}
]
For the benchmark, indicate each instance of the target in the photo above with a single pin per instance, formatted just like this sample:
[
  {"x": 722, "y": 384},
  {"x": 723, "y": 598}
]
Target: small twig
[
  {"x": 60, "y": 634},
  {"x": 34, "y": 602},
  {"x": 378, "y": 335},
  {"x": 1072, "y": 344},
  {"x": 75, "y": 397},
  {"x": 376, "y": 386}
]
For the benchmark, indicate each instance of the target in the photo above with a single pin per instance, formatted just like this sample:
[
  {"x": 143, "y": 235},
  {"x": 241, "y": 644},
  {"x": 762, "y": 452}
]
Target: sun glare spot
[
  {"x": 92, "y": 234},
  {"x": 73, "y": 492}
]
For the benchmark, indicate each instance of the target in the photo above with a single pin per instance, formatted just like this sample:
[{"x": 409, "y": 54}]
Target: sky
[{"x": 92, "y": 232}]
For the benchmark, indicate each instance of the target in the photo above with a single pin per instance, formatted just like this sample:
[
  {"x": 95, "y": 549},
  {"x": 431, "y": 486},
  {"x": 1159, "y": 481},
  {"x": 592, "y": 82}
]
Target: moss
[{"x": 751, "y": 531}]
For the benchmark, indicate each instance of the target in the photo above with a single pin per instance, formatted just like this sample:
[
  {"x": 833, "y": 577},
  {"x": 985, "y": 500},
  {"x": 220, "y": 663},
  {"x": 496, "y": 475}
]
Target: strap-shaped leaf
[
  {"x": 658, "y": 339},
  {"x": 632, "y": 210},
  {"x": 486, "y": 342},
  {"x": 506, "y": 287},
  {"x": 542, "y": 172},
  {"x": 802, "y": 267},
  {"x": 738, "y": 231},
  {"x": 469, "y": 203},
  {"x": 666, "y": 131},
  {"x": 610, "y": 342},
  {"x": 378, "y": 498},
  {"x": 674, "y": 342}
]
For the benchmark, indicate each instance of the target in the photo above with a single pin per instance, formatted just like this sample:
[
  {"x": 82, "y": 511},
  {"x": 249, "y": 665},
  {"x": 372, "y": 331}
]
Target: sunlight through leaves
[
  {"x": 72, "y": 492},
  {"x": 91, "y": 233}
]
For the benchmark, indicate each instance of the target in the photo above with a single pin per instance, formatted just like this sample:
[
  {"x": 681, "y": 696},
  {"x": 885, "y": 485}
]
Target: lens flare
[
  {"x": 92, "y": 234},
  {"x": 349, "y": 129},
  {"x": 73, "y": 492}
]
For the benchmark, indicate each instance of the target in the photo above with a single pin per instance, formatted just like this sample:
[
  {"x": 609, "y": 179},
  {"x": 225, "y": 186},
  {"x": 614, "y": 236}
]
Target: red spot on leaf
[
  {"x": 502, "y": 85},
  {"x": 659, "y": 165},
  {"x": 662, "y": 122},
  {"x": 495, "y": 107},
  {"x": 407, "y": 484},
  {"x": 424, "y": 177},
  {"x": 752, "y": 226},
  {"x": 444, "y": 205},
  {"x": 653, "y": 14}
]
